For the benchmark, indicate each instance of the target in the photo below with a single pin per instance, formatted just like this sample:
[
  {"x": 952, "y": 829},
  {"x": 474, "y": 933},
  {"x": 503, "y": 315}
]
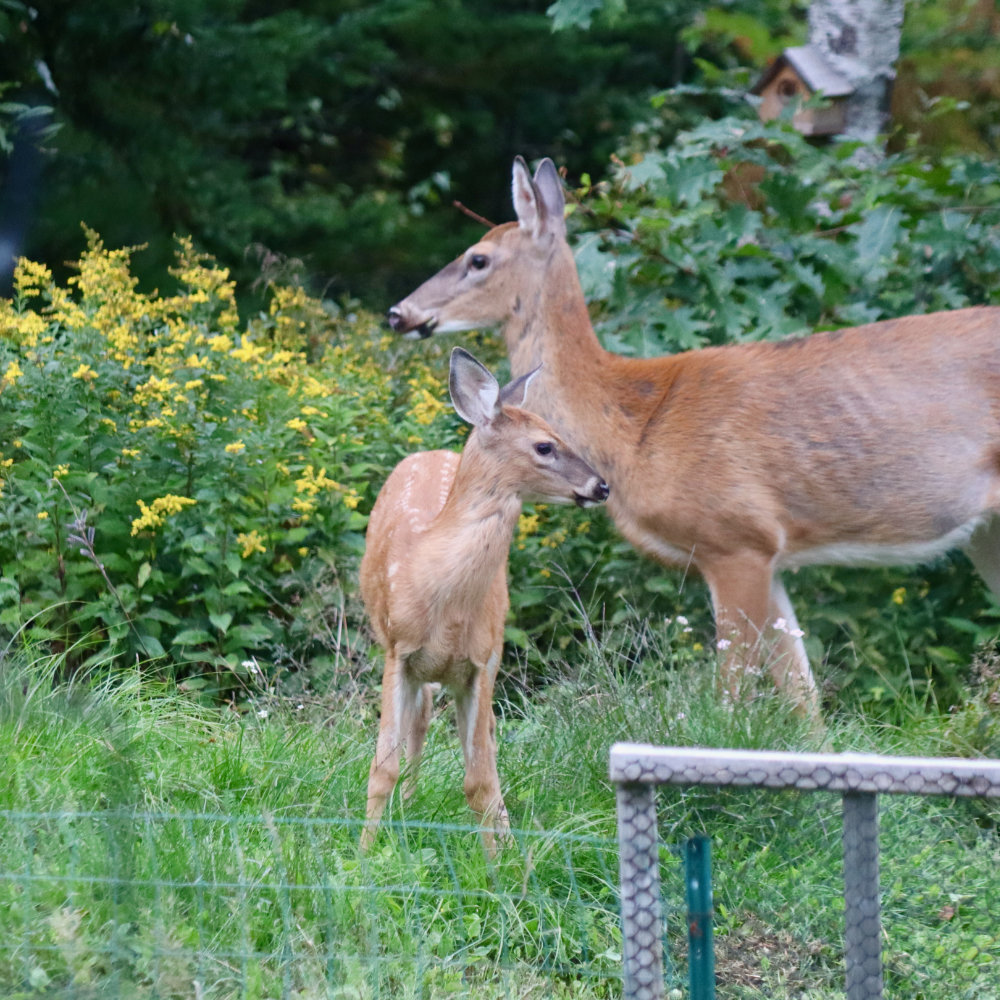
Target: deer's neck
[
  {"x": 574, "y": 390},
  {"x": 468, "y": 541},
  {"x": 550, "y": 325}
]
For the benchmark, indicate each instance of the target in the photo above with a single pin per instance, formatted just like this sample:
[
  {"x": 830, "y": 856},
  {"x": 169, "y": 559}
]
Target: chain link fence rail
[
  {"x": 637, "y": 769},
  {"x": 123, "y": 904}
]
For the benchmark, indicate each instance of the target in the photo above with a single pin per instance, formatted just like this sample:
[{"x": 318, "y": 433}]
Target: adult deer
[
  {"x": 876, "y": 444},
  {"x": 434, "y": 578}
]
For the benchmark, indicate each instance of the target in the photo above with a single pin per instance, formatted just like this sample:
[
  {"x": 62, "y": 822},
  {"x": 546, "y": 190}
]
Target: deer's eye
[
  {"x": 545, "y": 448},
  {"x": 479, "y": 261}
]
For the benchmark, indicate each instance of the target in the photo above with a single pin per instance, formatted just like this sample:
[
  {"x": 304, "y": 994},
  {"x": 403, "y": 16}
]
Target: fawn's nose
[{"x": 597, "y": 493}]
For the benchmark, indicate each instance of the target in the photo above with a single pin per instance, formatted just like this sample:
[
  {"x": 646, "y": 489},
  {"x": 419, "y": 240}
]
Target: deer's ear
[
  {"x": 549, "y": 191},
  {"x": 526, "y": 203},
  {"x": 475, "y": 393},
  {"x": 516, "y": 393}
]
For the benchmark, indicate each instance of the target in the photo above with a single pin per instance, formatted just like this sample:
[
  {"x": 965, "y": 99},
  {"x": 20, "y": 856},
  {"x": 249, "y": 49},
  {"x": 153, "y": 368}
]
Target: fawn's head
[{"x": 526, "y": 455}]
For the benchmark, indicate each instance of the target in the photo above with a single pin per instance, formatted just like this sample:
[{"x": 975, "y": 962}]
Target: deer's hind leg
[
  {"x": 749, "y": 600},
  {"x": 983, "y": 549},
  {"x": 416, "y": 735}
]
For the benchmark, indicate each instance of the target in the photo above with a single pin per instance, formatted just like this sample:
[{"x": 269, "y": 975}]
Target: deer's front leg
[
  {"x": 477, "y": 731},
  {"x": 397, "y": 708}
]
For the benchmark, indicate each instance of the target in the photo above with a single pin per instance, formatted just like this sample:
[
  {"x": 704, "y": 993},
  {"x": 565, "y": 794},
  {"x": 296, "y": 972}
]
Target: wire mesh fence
[
  {"x": 97, "y": 904},
  {"x": 637, "y": 770},
  {"x": 125, "y": 903}
]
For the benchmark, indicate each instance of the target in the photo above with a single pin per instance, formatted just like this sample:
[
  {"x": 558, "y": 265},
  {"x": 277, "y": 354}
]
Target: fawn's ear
[
  {"x": 516, "y": 393},
  {"x": 475, "y": 393}
]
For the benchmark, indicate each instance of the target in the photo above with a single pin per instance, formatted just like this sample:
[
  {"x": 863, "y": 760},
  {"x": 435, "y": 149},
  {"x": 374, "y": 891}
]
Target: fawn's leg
[
  {"x": 477, "y": 731},
  {"x": 413, "y": 742},
  {"x": 398, "y": 698}
]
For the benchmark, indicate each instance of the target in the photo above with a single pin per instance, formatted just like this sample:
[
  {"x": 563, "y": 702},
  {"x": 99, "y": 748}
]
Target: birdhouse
[{"x": 792, "y": 79}]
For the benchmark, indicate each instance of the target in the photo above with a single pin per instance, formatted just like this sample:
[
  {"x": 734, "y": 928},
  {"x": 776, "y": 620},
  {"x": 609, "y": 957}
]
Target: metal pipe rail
[{"x": 636, "y": 770}]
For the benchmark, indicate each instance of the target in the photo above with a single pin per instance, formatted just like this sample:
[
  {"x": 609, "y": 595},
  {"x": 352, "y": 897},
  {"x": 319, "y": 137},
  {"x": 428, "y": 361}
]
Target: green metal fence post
[{"x": 701, "y": 953}]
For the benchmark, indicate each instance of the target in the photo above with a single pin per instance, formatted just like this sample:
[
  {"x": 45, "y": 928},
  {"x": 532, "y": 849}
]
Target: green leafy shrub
[{"x": 745, "y": 231}]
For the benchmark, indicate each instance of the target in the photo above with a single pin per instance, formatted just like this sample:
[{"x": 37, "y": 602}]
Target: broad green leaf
[
  {"x": 192, "y": 637},
  {"x": 221, "y": 620}
]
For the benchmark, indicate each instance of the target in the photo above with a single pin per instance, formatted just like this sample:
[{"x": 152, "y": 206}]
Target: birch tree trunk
[{"x": 860, "y": 40}]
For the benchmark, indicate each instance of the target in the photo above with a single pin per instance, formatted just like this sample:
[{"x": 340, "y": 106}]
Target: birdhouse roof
[{"x": 816, "y": 73}]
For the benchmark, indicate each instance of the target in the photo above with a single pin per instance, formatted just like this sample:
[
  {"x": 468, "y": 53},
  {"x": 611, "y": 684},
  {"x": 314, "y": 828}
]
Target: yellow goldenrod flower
[
  {"x": 221, "y": 343},
  {"x": 247, "y": 352},
  {"x": 13, "y": 373},
  {"x": 22, "y": 327},
  {"x": 59, "y": 471},
  {"x": 297, "y": 424},
  {"x": 311, "y": 482},
  {"x": 235, "y": 447},
  {"x": 527, "y": 524},
  {"x": 154, "y": 388},
  {"x": 85, "y": 372},
  {"x": 43, "y": 515},
  {"x": 556, "y": 538},
  {"x": 30, "y": 277},
  {"x": 899, "y": 595},
  {"x": 311, "y": 387},
  {"x": 154, "y": 514},
  {"x": 250, "y": 543},
  {"x": 426, "y": 408}
]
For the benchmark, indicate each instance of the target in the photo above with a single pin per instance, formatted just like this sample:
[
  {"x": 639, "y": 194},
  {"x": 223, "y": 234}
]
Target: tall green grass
[{"x": 154, "y": 847}]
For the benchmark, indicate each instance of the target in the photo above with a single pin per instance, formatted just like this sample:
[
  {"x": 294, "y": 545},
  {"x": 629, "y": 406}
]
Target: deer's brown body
[
  {"x": 876, "y": 444},
  {"x": 434, "y": 578}
]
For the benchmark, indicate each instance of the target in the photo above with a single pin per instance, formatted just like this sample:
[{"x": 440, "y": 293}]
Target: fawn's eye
[
  {"x": 545, "y": 448},
  {"x": 478, "y": 261}
]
